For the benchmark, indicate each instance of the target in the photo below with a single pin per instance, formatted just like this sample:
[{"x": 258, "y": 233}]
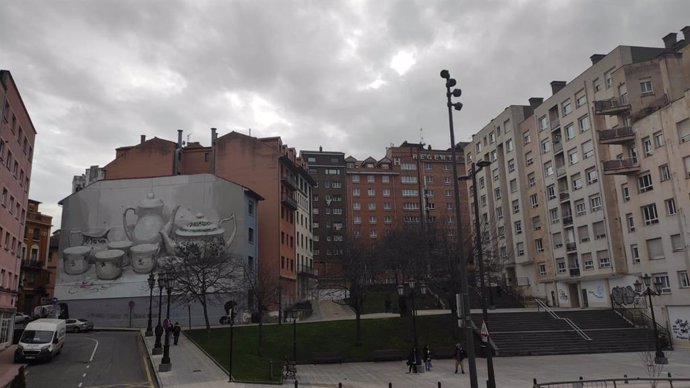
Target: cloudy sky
[{"x": 351, "y": 76}]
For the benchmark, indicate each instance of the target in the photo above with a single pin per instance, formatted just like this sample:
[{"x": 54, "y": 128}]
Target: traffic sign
[{"x": 484, "y": 332}]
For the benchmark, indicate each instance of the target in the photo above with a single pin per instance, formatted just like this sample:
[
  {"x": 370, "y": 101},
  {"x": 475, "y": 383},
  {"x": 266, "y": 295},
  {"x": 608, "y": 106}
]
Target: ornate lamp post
[
  {"x": 232, "y": 305},
  {"x": 491, "y": 381},
  {"x": 401, "y": 291},
  {"x": 659, "y": 357},
  {"x": 463, "y": 308},
  {"x": 152, "y": 283},
  {"x": 158, "y": 347},
  {"x": 165, "y": 365}
]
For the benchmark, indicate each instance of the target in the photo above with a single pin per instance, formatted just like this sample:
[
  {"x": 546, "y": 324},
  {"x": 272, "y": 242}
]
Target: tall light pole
[
  {"x": 158, "y": 347},
  {"x": 293, "y": 316},
  {"x": 232, "y": 326},
  {"x": 463, "y": 308},
  {"x": 152, "y": 283},
  {"x": 165, "y": 365},
  {"x": 491, "y": 381},
  {"x": 401, "y": 291},
  {"x": 659, "y": 357}
]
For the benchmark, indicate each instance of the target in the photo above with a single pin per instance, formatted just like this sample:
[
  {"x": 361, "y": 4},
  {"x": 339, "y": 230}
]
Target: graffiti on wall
[
  {"x": 625, "y": 295},
  {"x": 680, "y": 329},
  {"x": 599, "y": 293}
]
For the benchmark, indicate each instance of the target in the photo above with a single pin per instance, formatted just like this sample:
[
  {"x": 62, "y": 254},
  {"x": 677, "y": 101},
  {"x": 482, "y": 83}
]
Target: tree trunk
[
  {"x": 203, "y": 304},
  {"x": 358, "y": 315},
  {"x": 261, "y": 334}
]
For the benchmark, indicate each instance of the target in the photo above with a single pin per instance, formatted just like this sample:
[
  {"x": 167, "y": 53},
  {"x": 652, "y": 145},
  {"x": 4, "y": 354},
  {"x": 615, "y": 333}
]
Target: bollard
[
  {"x": 439, "y": 384},
  {"x": 625, "y": 377},
  {"x": 670, "y": 383},
  {"x": 534, "y": 383},
  {"x": 340, "y": 385},
  {"x": 296, "y": 383},
  {"x": 390, "y": 385}
]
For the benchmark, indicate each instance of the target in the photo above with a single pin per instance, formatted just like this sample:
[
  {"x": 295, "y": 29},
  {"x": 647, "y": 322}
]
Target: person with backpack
[{"x": 459, "y": 356}]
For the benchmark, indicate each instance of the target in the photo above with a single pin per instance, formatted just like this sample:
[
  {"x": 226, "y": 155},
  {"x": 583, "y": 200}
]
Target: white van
[{"x": 41, "y": 340}]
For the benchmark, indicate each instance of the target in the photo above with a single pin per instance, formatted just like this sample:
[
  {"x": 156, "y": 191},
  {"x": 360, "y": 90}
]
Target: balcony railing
[
  {"x": 570, "y": 246},
  {"x": 557, "y": 147},
  {"x": 616, "y": 135},
  {"x": 621, "y": 167},
  {"x": 560, "y": 171},
  {"x": 564, "y": 196},
  {"x": 574, "y": 272},
  {"x": 613, "y": 106},
  {"x": 290, "y": 182},
  {"x": 567, "y": 220},
  {"x": 306, "y": 270},
  {"x": 289, "y": 201},
  {"x": 555, "y": 123}
]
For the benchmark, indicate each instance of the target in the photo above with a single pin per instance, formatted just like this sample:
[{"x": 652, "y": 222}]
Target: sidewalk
[{"x": 8, "y": 369}]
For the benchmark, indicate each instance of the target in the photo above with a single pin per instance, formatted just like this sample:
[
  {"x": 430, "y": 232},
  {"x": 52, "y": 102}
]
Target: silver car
[{"x": 77, "y": 325}]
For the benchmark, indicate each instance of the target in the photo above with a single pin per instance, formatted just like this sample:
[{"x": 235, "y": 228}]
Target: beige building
[{"x": 586, "y": 189}]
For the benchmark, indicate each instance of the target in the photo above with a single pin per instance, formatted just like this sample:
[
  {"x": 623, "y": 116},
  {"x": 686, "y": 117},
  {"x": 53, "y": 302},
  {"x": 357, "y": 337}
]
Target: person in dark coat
[
  {"x": 176, "y": 332},
  {"x": 426, "y": 354},
  {"x": 412, "y": 361},
  {"x": 459, "y": 356}
]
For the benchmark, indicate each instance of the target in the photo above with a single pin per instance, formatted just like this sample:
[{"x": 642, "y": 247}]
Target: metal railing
[
  {"x": 637, "y": 317},
  {"x": 580, "y": 332},
  {"x": 625, "y": 381}
]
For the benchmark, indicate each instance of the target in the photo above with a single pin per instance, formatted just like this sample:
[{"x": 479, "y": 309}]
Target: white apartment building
[
  {"x": 586, "y": 194},
  {"x": 304, "y": 238}
]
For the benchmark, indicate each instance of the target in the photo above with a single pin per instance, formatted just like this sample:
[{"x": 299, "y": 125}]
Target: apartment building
[
  {"x": 328, "y": 200},
  {"x": 17, "y": 136},
  {"x": 603, "y": 178},
  {"x": 36, "y": 279}
]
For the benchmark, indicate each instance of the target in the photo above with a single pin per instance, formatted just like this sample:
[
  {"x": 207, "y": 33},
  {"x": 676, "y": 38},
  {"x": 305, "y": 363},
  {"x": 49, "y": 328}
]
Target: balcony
[
  {"x": 564, "y": 196},
  {"x": 616, "y": 135},
  {"x": 555, "y": 123},
  {"x": 570, "y": 246},
  {"x": 621, "y": 167},
  {"x": 574, "y": 272},
  {"x": 306, "y": 270},
  {"x": 560, "y": 171},
  {"x": 32, "y": 264},
  {"x": 289, "y": 202},
  {"x": 290, "y": 182},
  {"x": 557, "y": 147},
  {"x": 567, "y": 220},
  {"x": 613, "y": 106}
]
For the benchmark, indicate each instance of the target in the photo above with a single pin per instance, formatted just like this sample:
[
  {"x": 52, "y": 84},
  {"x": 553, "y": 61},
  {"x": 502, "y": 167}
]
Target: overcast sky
[{"x": 351, "y": 76}]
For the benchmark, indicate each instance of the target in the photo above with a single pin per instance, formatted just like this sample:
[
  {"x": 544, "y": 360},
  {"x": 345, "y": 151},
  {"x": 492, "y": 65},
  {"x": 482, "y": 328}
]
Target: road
[{"x": 95, "y": 359}]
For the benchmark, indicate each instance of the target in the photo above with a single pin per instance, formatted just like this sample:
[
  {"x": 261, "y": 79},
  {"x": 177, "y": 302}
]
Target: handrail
[
  {"x": 637, "y": 317},
  {"x": 570, "y": 323},
  {"x": 598, "y": 382}
]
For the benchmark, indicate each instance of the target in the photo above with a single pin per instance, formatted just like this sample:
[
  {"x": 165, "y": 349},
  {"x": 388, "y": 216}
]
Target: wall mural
[
  {"x": 680, "y": 329},
  {"x": 625, "y": 295},
  {"x": 116, "y": 236},
  {"x": 599, "y": 293}
]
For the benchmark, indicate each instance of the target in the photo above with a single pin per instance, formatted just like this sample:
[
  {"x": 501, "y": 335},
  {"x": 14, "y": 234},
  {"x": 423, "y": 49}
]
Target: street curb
[{"x": 149, "y": 364}]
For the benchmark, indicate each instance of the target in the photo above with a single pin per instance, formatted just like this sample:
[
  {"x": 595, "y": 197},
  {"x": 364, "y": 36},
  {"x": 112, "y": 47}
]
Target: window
[
  {"x": 587, "y": 149},
  {"x": 513, "y": 185},
  {"x": 516, "y": 206},
  {"x": 531, "y": 179},
  {"x": 592, "y": 175},
  {"x": 539, "y": 245},
  {"x": 683, "y": 280},
  {"x": 499, "y": 213},
  {"x": 387, "y": 206},
  {"x": 548, "y": 168},
  {"x": 533, "y": 200},
  {"x": 355, "y": 192},
  {"x": 580, "y": 99},
  {"x": 569, "y": 131},
  {"x": 542, "y": 269},
  {"x": 646, "y": 86},
  {"x": 428, "y": 166},
  {"x": 608, "y": 79},
  {"x": 545, "y": 146},
  {"x": 408, "y": 166},
  {"x": 595, "y": 203},
  {"x": 655, "y": 248},
  {"x": 371, "y": 179},
  {"x": 408, "y": 179},
  {"x": 411, "y": 206},
  {"x": 677, "y": 243},
  {"x": 536, "y": 223},
  {"x": 357, "y": 220},
  {"x": 372, "y": 219},
  {"x": 385, "y": 179},
  {"x": 664, "y": 280},
  {"x": 511, "y": 165},
  {"x": 644, "y": 183},
  {"x": 520, "y": 248},
  {"x": 560, "y": 265},
  {"x": 604, "y": 259},
  {"x": 481, "y": 182},
  {"x": 587, "y": 261},
  {"x": 630, "y": 221},
  {"x": 501, "y": 232},
  {"x": 551, "y": 191},
  {"x": 596, "y": 85},
  {"x": 576, "y": 181},
  {"x": 410, "y": 193},
  {"x": 386, "y": 192},
  {"x": 566, "y": 107},
  {"x": 494, "y": 173},
  {"x": 250, "y": 235},
  {"x": 330, "y": 171},
  {"x": 670, "y": 205},
  {"x": 492, "y": 156},
  {"x": 483, "y": 200},
  {"x": 526, "y": 138},
  {"x": 518, "y": 227},
  {"x": 659, "y": 139},
  {"x": 635, "y": 253},
  {"x": 387, "y": 219},
  {"x": 649, "y": 214},
  {"x": 428, "y": 179},
  {"x": 528, "y": 158},
  {"x": 371, "y": 192},
  {"x": 355, "y": 179},
  {"x": 647, "y": 146},
  {"x": 580, "y": 208},
  {"x": 553, "y": 214},
  {"x": 599, "y": 230},
  {"x": 557, "y": 239},
  {"x": 573, "y": 156},
  {"x": 371, "y": 206},
  {"x": 497, "y": 193},
  {"x": 664, "y": 173},
  {"x": 543, "y": 123},
  {"x": 625, "y": 192},
  {"x": 509, "y": 145},
  {"x": 583, "y": 233}
]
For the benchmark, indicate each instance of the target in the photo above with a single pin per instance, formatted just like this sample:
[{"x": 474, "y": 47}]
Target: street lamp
[
  {"x": 401, "y": 291},
  {"x": 491, "y": 382},
  {"x": 165, "y": 365},
  {"x": 232, "y": 305},
  {"x": 158, "y": 347},
  {"x": 659, "y": 357},
  {"x": 152, "y": 283},
  {"x": 463, "y": 309}
]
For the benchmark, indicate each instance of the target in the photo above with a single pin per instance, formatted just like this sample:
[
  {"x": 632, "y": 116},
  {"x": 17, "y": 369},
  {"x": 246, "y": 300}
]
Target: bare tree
[
  {"x": 203, "y": 274},
  {"x": 264, "y": 289},
  {"x": 653, "y": 369}
]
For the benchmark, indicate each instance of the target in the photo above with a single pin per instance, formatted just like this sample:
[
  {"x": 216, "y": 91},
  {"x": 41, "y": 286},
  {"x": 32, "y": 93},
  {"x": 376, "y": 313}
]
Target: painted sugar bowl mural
[{"x": 199, "y": 237}]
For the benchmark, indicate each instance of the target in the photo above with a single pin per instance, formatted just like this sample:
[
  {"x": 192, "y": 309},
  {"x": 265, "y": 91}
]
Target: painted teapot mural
[
  {"x": 200, "y": 237},
  {"x": 149, "y": 221}
]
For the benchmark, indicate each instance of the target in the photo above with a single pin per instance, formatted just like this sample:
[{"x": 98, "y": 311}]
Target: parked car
[
  {"x": 21, "y": 318},
  {"x": 77, "y": 325}
]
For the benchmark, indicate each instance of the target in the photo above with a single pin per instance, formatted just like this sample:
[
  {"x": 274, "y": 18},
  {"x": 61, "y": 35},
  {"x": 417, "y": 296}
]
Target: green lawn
[{"x": 333, "y": 336}]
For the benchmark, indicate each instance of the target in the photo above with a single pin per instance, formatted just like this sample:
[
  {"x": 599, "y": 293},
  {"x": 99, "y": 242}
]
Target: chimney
[
  {"x": 596, "y": 58},
  {"x": 178, "y": 153},
  {"x": 534, "y": 102},
  {"x": 320, "y": 149},
  {"x": 556, "y": 86},
  {"x": 686, "y": 33},
  {"x": 214, "y": 137},
  {"x": 143, "y": 139},
  {"x": 670, "y": 40}
]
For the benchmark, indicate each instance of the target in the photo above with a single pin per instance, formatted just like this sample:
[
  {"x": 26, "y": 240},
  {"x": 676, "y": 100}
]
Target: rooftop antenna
[
  {"x": 250, "y": 132},
  {"x": 188, "y": 135},
  {"x": 421, "y": 136}
]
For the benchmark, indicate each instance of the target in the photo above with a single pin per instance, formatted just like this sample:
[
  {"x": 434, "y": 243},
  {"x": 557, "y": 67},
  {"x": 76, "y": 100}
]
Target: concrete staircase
[{"x": 538, "y": 333}]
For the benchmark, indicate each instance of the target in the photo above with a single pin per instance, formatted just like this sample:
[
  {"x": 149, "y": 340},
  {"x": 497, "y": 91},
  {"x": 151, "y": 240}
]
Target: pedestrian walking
[
  {"x": 176, "y": 332},
  {"x": 460, "y": 356},
  {"x": 427, "y": 358},
  {"x": 412, "y": 361}
]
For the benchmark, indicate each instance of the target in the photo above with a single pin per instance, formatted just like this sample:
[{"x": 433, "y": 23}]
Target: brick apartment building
[
  {"x": 36, "y": 281},
  {"x": 17, "y": 135}
]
